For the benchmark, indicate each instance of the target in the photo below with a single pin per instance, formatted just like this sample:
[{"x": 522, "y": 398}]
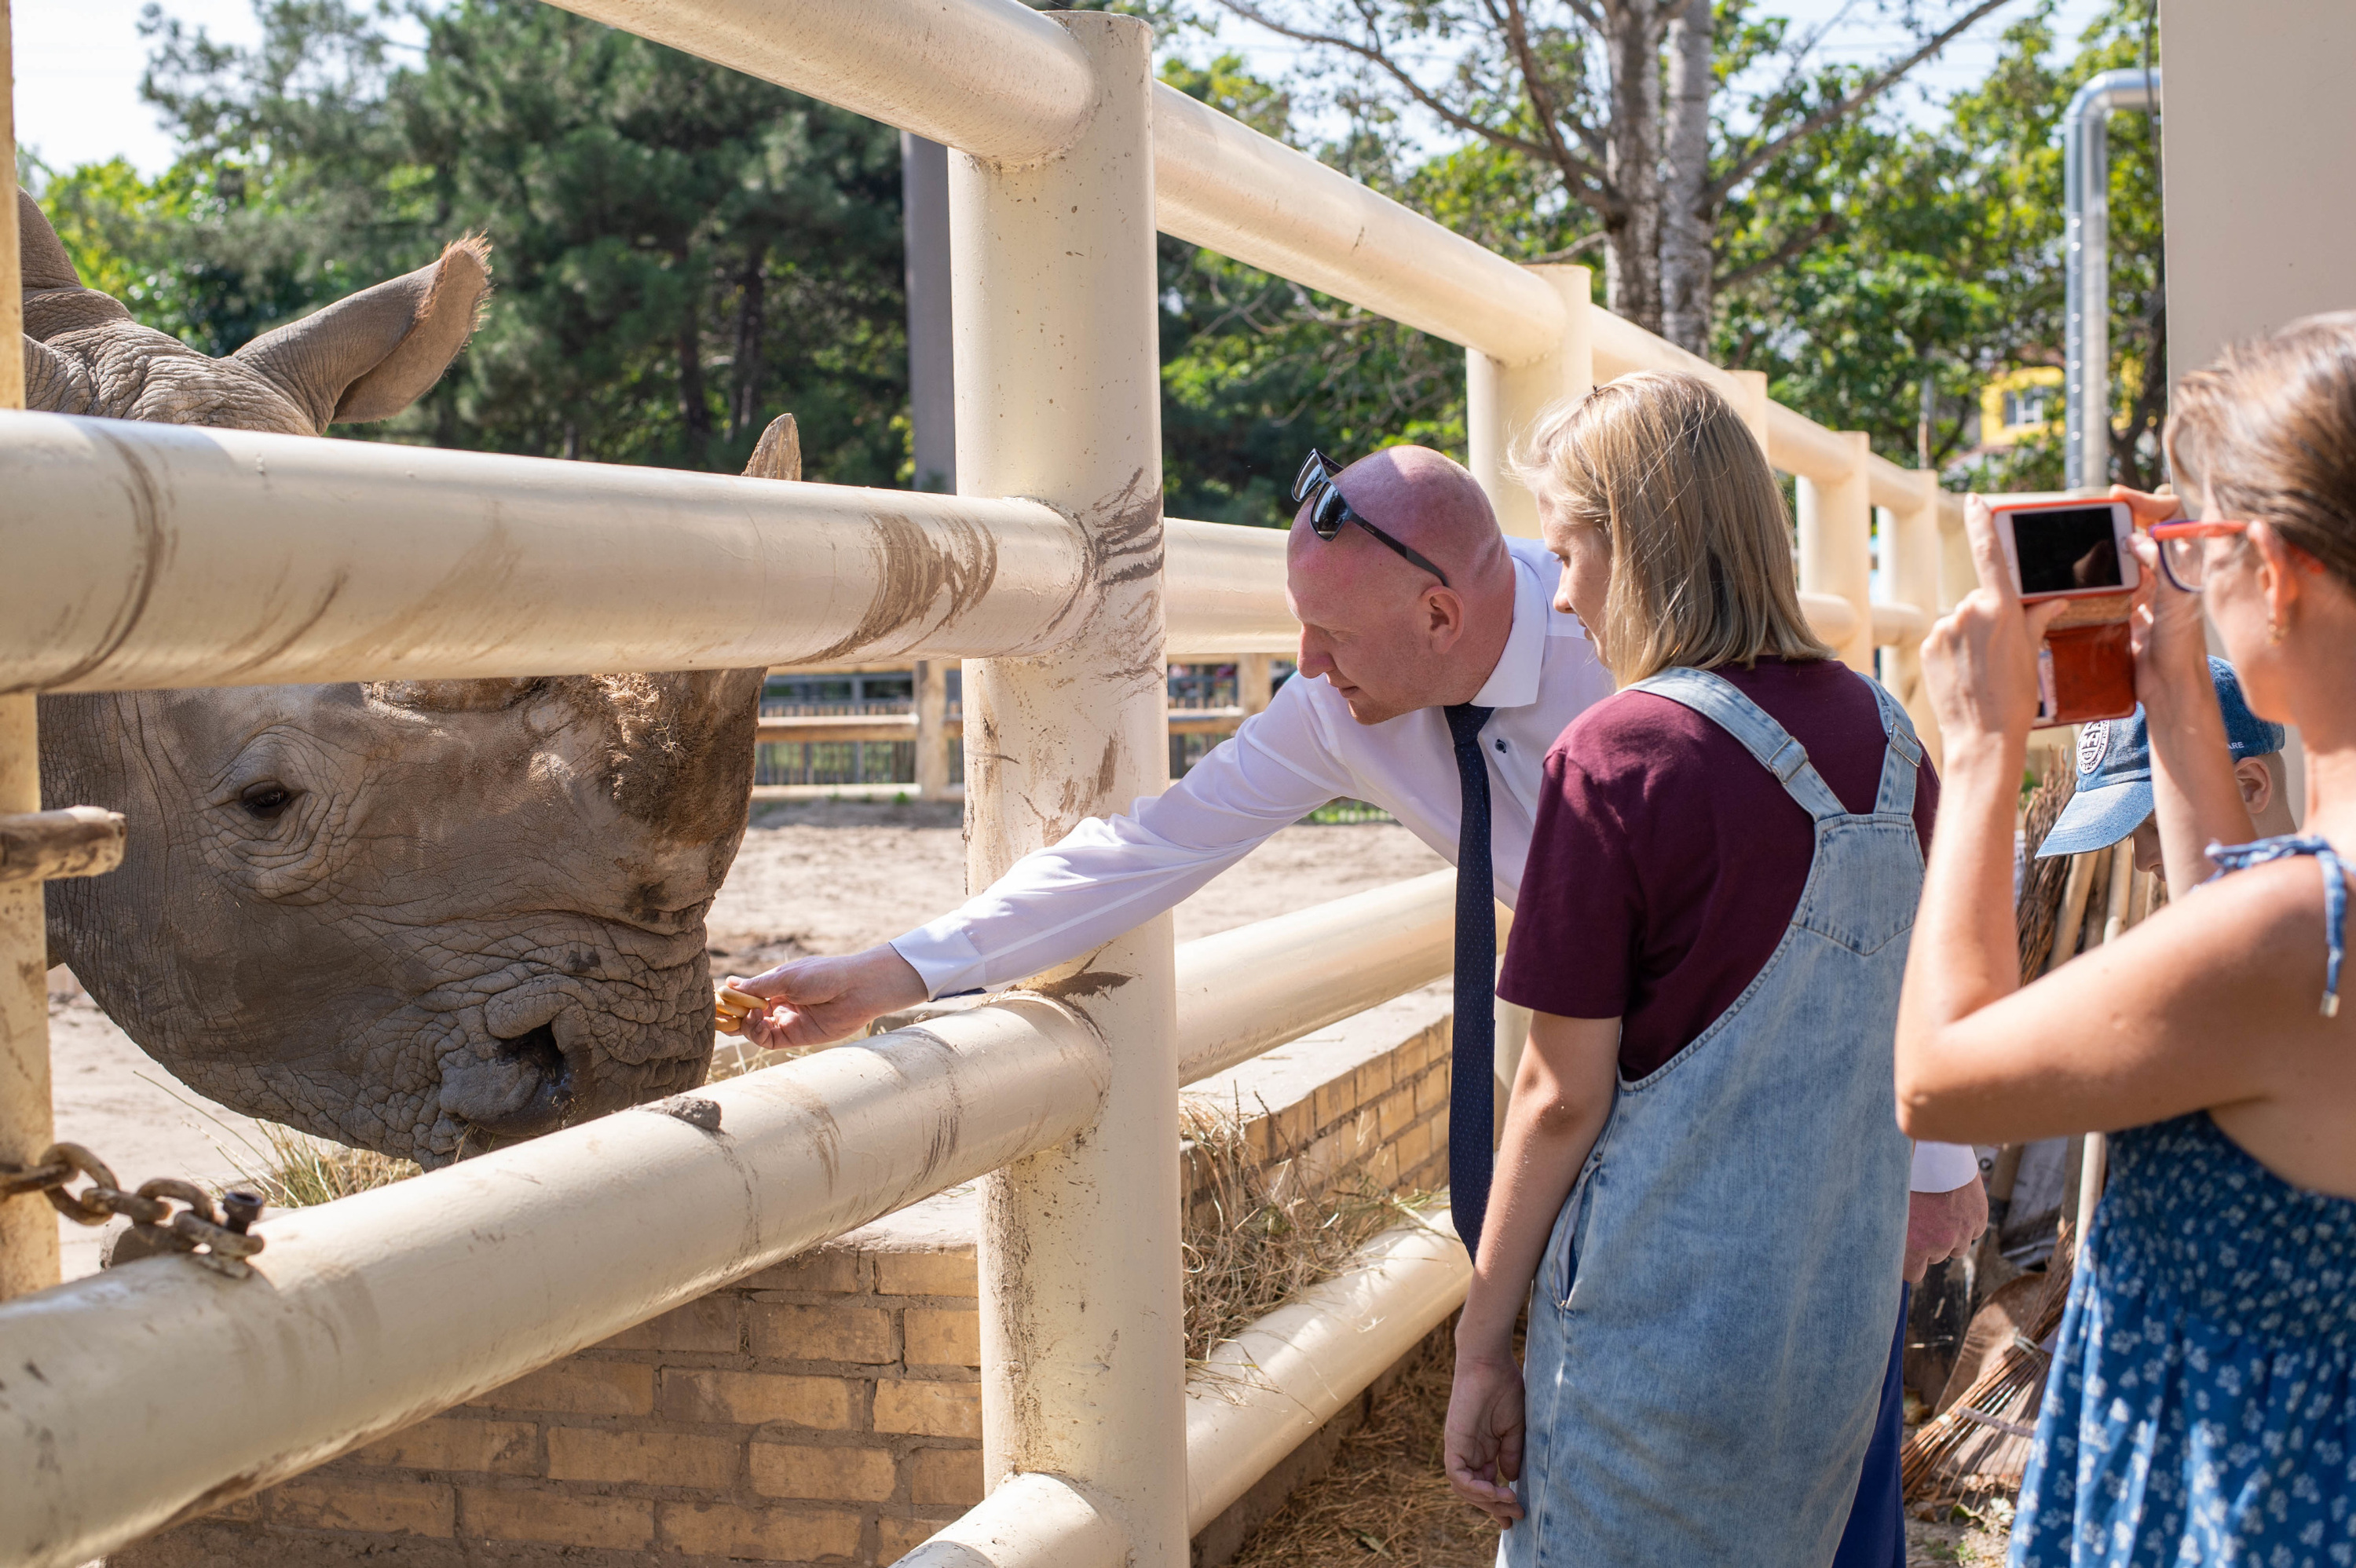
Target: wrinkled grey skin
[{"x": 426, "y": 918}]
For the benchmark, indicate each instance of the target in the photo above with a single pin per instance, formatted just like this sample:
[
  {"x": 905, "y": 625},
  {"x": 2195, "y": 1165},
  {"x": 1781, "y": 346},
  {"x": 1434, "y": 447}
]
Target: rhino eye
[{"x": 266, "y": 799}]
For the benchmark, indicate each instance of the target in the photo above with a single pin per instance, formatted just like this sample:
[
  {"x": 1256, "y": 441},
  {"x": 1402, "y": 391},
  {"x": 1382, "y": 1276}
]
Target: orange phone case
[{"x": 2093, "y": 674}]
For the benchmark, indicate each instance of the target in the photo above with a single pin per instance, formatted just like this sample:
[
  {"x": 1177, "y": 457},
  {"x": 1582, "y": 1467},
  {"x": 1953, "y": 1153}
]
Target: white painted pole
[
  {"x": 1753, "y": 402},
  {"x": 1255, "y": 682},
  {"x": 1836, "y": 547},
  {"x": 28, "y": 1226},
  {"x": 932, "y": 682},
  {"x": 1502, "y": 400},
  {"x": 1914, "y": 579},
  {"x": 1058, "y": 398}
]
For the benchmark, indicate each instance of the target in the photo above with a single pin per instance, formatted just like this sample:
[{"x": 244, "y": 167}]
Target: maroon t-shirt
[{"x": 1665, "y": 863}]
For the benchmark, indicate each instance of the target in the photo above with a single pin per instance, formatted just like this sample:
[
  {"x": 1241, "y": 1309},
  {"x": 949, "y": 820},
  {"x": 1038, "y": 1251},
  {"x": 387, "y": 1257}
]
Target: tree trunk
[
  {"x": 695, "y": 407},
  {"x": 1632, "y": 254},
  {"x": 752, "y": 305},
  {"x": 1687, "y": 263}
]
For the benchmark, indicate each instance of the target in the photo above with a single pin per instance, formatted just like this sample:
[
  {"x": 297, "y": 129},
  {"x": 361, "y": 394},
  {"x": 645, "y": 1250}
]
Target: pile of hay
[
  {"x": 1385, "y": 1500},
  {"x": 1255, "y": 1234},
  {"x": 294, "y": 1171}
]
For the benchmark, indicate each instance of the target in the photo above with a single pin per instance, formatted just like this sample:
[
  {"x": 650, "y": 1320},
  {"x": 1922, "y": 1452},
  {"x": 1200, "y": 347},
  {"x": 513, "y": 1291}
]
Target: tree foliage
[
  {"x": 1942, "y": 257},
  {"x": 680, "y": 251}
]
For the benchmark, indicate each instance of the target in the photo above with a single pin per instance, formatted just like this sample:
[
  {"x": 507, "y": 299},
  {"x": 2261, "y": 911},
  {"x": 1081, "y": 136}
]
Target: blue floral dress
[{"x": 2202, "y": 1409}]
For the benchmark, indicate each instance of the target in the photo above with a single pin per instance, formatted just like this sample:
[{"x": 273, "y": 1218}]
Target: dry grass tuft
[
  {"x": 1385, "y": 1500},
  {"x": 1255, "y": 1234},
  {"x": 294, "y": 1171},
  {"x": 1973, "y": 1538}
]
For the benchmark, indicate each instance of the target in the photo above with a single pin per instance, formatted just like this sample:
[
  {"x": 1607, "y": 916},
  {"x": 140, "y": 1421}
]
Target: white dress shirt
[{"x": 1108, "y": 875}]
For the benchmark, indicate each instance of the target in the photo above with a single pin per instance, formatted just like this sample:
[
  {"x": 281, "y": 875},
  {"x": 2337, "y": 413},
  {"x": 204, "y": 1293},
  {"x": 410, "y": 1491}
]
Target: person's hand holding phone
[
  {"x": 2170, "y": 643},
  {"x": 1980, "y": 662}
]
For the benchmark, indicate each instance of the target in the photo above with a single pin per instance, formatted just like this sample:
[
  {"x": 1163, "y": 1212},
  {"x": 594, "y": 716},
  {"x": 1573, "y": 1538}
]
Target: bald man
[{"x": 1416, "y": 605}]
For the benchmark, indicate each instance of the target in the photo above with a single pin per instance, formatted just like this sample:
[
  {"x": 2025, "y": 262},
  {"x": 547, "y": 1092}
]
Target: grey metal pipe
[{"x": 2086, "y": 256}]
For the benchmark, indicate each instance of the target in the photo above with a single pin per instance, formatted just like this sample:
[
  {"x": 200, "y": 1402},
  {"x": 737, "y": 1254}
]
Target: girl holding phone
[{"x": 2201, "y": 1406}]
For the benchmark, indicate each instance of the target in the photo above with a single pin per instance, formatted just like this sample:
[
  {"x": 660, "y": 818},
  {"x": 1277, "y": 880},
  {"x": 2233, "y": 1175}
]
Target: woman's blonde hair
[
  {"x": 1702, "y": 543},
  {"x": 2271, "y": 429}
]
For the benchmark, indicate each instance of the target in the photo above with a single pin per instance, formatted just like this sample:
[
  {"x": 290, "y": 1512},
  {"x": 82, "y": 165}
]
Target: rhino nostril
[
  {"x": 550, "y": 1099},
  {"x": 537, "y": 1050}
]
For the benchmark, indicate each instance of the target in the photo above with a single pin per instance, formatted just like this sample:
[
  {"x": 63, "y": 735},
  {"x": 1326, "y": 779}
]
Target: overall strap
[
  {"x": 2242, "y": 856},
  {"x": 1716, "y": 699},
  {"x": 1902, "y": 761}
]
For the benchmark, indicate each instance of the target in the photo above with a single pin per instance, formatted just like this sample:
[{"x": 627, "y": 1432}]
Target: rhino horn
[{"x": 371, "y": 355}]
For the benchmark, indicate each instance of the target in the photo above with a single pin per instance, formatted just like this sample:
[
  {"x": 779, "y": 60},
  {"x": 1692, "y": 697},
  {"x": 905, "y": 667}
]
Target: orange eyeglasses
[{"x": 2181, "y": 554}]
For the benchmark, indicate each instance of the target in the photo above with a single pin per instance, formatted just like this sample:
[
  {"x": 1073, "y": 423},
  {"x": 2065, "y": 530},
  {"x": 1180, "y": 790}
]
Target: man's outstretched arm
[{"x": 1105, "y": 877}]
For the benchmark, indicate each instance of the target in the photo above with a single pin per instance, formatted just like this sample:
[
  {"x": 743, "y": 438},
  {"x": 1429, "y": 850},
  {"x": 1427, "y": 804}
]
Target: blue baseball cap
[{"x": 2114, "y": 768}]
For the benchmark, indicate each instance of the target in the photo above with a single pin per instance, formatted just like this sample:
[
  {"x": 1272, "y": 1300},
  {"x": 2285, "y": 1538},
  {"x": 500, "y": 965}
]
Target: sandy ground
[{"x": 817, "y": 876}]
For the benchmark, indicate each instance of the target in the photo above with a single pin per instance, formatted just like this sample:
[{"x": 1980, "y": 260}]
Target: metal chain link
[{"x": 215, "y": 1236}]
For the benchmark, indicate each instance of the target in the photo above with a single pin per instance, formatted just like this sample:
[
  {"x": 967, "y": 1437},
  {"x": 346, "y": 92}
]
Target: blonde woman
[{"x": 1702, "y": 1189}]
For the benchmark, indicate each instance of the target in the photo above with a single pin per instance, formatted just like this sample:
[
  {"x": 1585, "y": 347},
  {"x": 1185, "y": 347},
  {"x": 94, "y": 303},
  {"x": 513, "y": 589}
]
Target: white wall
[{"x": 2259, "y": 136}]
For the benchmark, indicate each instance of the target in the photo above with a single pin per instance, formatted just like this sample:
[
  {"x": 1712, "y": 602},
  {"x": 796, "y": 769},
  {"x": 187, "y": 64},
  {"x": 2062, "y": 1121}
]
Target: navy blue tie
[{"x": 1472, "y": 1100}]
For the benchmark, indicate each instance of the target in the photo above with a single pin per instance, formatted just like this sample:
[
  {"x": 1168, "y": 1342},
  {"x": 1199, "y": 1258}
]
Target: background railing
[{"x": 144, "y": 556}]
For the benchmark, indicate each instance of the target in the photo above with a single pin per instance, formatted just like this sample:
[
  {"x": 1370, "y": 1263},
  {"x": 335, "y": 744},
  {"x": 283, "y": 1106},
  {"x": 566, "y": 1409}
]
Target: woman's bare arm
[
  {"x": 1562, "y": 1096},
  {"x": 2210, "y": 1003}
]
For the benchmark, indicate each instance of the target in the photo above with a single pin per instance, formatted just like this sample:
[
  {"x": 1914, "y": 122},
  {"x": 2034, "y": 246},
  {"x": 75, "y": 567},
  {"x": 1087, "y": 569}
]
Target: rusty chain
[{"x": 215, "y": 1236}]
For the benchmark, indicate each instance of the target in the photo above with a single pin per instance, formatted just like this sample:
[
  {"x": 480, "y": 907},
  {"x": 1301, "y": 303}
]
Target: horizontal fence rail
[
  {"x": 165, "y": 1390},
  {"x": 991, "y": 77},
  {"x": 217, "y": 558}
]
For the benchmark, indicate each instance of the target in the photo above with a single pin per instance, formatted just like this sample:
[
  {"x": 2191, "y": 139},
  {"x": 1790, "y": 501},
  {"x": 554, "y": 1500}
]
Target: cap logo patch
[{"x": 2094, "y": 745}]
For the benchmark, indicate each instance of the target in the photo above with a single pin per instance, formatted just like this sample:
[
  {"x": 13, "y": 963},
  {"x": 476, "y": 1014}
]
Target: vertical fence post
[
  {"x": 1837, "y": 546},
  {"x": 1753, "y": 403},
  {"x": 932, "y": 682},
  {"x": 28, "y": 1226},
  {"x": 1502, "y": 401},
  {"x": 1255, "y": 682},
  {"x": 1913, "y": 543},
  {"x": 1058, "y": 398}
]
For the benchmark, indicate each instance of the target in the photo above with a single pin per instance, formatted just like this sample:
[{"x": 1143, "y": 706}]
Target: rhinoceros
[{"x": 425, "y": 917}]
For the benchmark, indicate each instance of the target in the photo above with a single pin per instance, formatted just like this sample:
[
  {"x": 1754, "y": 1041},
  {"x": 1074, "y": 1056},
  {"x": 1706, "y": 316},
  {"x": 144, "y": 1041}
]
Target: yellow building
[{"x": 2020, "y": 404}]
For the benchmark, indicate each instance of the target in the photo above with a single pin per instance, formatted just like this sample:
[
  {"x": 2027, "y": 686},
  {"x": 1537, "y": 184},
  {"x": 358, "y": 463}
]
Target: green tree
[
  {"x": 680, "y": 251},
  {"x": 1942, "y": 257}
]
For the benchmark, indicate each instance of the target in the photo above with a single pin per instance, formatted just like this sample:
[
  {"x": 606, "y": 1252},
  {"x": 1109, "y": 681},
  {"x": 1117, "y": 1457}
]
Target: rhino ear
[
  {"x": 778, "y": 453},
  {"x": 372, "y": 355},
  {"x": 39, "y": 252}
]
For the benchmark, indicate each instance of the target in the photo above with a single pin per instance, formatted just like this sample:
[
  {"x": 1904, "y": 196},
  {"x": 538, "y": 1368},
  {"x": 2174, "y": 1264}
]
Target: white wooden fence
[{"x": 141, "y": 556}]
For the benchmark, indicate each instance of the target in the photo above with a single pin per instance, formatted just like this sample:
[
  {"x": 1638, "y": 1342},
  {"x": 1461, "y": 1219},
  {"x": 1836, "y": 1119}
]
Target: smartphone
[
  {"x": 2069, "y": 550},
  {"x": 2077, "y": 550}
]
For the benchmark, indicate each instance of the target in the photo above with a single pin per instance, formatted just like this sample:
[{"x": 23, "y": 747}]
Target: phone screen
[{"x": 2065, "y": 550}]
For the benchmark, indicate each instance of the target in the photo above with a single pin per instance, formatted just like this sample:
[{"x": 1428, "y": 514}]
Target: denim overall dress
[{"x": 1710, "y": 1325}]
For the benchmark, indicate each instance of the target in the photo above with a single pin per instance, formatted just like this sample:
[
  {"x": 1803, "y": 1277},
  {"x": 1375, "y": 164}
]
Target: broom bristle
[
  {"x": 1980, "y": 1446},
  {"x": 2041, "y": 883}
]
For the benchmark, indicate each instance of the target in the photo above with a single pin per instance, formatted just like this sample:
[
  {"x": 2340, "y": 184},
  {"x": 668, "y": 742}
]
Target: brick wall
[{"x": 827, "y": 1409}]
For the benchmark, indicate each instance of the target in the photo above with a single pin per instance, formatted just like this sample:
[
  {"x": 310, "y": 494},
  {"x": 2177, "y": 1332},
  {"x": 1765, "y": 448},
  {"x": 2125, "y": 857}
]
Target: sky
[{"x": 79, "y": 62}]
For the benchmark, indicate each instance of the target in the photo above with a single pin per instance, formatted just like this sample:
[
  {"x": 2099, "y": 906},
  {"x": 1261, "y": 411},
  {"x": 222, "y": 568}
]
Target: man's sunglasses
[{"x": 1328, "y": 511}]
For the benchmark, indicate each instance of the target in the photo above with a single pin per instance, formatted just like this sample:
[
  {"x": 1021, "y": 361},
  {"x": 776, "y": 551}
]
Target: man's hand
[
  {"x": 1941, "y": 1226},
  {"x": 1483, "y": 1446},
  {"x": 815, "y": 1001}
]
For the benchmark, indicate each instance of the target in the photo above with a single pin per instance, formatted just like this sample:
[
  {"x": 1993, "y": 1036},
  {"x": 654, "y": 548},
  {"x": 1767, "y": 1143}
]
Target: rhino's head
[{"x": 424, "y": 917}]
